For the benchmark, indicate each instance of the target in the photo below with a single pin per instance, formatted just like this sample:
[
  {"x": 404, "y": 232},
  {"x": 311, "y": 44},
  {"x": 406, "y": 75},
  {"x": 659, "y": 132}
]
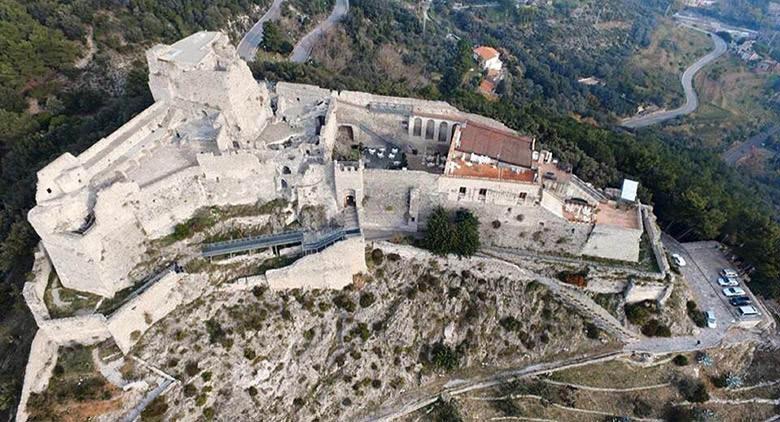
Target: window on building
[
  {"x": 482, "y": 194},
  {"x": 462, "y": 190},
  {"x": 522, "y": 196}
]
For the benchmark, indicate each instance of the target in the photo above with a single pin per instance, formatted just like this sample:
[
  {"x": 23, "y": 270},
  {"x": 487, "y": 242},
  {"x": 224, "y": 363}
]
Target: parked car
[
  {"x": 728, "y": 272},
  {"x": 740, "y": 301},
  {"x": 711, "y": 321},
  {"x": 679, "y": 260},
  {"x": 727, "y": 282},
  {"x": 745, "y": 311},
  {"x": 733, "y": 291}
]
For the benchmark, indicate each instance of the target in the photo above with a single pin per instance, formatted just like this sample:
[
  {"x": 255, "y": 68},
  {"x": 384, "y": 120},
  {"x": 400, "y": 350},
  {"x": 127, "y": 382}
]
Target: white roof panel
[{"x": 630, "y": 187}]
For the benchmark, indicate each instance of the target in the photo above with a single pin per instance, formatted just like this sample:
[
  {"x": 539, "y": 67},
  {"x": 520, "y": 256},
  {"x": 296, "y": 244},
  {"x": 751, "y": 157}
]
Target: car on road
[
  {"x": 711, "y": 321},
  {"x": 740, "y": 301},
  {"x": 679, "y": 260},
  {"x": 727, "y": 281},
  {"x": 733, "y": 291},
  {"x": 728, "y": 272},
  {"x": 746, "y": 311}
]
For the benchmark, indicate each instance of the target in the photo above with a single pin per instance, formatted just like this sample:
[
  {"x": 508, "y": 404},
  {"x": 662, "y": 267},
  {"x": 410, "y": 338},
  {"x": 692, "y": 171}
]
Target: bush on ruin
[{"x": 680, "y": 360}]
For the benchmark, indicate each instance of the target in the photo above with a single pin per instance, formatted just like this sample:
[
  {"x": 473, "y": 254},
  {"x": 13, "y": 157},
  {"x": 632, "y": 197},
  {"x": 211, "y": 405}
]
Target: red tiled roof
[
  {"x": 497, "y": 144},
  {"x": 487, "y": 86},
  {"x": 486, "y": 171},
  {"x": 486, "y": 53}
]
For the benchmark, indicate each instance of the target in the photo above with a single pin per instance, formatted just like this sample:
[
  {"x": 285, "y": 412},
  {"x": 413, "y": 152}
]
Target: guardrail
[
  {"x": 250, "y": 243},
  {"x": 329, "y": 239}
]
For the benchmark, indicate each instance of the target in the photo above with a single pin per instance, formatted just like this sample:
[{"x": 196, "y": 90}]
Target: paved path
[
  {"x": 247, "y": 48},
  {"x": 691, "y": 99},
  {"x": 303, "y": 49},
  {"x": 734, "y": 154}
]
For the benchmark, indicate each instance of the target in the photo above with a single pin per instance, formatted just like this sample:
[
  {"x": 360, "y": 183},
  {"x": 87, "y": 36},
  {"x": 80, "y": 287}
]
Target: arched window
[
  {"x": 430, "y": 128},
  {"x": 417, "y": 130},
  {"x": 444, "y": 132}
]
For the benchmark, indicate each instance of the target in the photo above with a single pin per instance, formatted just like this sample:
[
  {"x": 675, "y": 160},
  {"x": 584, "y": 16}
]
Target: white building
[{"x": 488, "y": 58}]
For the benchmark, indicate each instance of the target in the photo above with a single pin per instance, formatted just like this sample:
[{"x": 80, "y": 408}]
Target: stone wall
[
  {"x": 389, "y": 201},
  {"x": 128, "y": 323},
  {"x": 332, "y": 268},
  {"x": 495, "y": 192},
  {"x": 638, "y": 292},
  {"x": 654, "y": 236}
]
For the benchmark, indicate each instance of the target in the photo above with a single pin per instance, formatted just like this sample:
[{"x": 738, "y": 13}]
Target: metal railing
[{"x": 250, "y": 243}]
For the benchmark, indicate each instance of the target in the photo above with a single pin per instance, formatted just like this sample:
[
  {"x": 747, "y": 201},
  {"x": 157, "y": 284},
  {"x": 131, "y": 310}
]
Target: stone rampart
[
  {"x": 332, "y": 268},
  {"x": 128, "y": 323}
]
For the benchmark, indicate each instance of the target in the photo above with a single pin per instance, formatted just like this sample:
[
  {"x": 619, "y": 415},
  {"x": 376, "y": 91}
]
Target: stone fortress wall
[{"x": 216, "y": 137}]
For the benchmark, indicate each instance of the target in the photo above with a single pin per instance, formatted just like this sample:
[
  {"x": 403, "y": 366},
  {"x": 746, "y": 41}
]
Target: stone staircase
[{"x": 350, "y": 216}]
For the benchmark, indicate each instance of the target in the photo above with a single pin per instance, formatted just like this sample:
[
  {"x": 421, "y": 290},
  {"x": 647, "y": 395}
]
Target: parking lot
[{"x": 704, "y": 262}]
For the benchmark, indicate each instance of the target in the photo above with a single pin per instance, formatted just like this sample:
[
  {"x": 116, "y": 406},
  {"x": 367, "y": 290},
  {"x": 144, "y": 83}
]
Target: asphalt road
[
  {"x": 304, "y": 47},
  {"x": 691, "y": 99},
  {"x": 734, "y": 154},
  {"x": 247, "y": 48}
]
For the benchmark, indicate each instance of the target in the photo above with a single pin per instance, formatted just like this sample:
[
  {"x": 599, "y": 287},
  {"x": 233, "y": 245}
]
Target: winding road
[
  {"x": 691, "y": 99},
  {"x": 304, "y": 47},
  {"x": 247, "y": 48}
]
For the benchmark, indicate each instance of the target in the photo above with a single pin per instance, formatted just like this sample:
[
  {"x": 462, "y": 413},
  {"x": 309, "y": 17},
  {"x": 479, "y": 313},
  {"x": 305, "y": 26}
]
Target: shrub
[
  {"x": 252, "y": 391},
  {"x": 693, "y": 390},
  {"x": 155, "y": 410},
  {"x": 215, "y": 331},
  {"x": 249, "y": 353},
  {"x": 191, "y": 368},
  {"x": 720, "y": 381},
  {"x": 258, "y": 291},
  {"x": 592, "y": 331},
  {"x": 208, "y": 413},
  {"x": 367, "y": 299},
  {"x": 696, "y": 315},
  {"x": 509, "y": 323},
  {"x": 377, "y": 256},
  {"x": 343, "y": 301},
  {"x": 393, "y": 257},
  {"x": 190, "y": 390},
  {"x": 654, "y": 328},
  {"x": 206, "y": 376},
  {"x": 680, "y": 360},
  {"x": 642, "y": 409},
  {"x": 443, "y": 357},
  {"x": 496, "y": 224},
  {"x": 639, "y": 313}
]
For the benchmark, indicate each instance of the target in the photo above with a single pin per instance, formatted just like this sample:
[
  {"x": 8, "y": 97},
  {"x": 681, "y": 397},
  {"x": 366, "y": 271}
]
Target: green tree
[{"x": 274, "y": 39}]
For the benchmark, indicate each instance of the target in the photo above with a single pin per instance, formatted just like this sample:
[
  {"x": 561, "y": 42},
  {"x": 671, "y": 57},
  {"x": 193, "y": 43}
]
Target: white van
[
  {"x": 746, "y": 311},
  {"x": 711, "y": 321}
]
